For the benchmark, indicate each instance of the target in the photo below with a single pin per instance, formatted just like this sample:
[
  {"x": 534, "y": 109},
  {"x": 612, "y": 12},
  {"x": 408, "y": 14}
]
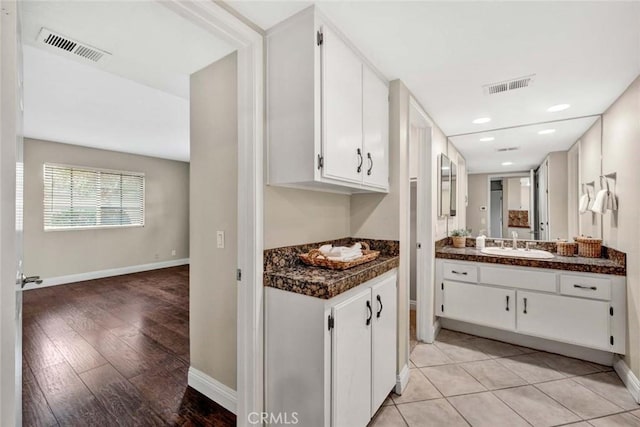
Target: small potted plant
[{"x": 459, "y": 237}]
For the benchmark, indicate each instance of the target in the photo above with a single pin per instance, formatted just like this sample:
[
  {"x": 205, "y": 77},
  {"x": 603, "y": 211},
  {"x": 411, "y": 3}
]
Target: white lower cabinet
[
  {"x": 572, "y": 320},
  {"x": 583, "y": 309},
  {"x": 462, "y": 301},
  {"x": 331, "y": 362}
]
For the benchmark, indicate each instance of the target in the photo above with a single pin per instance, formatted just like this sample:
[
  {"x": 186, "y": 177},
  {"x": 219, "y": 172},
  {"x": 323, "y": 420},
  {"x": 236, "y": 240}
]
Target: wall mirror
[
  {"x": 447, "y": 186},
  {"x": 529, "y": 179}
]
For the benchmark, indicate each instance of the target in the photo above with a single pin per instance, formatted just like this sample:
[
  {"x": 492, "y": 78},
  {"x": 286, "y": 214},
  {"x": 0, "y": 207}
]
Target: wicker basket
[
  {"x": 316, "y": 259},
  {"x": 567, "y": 248},
  {"x": 589, "y": 247}
]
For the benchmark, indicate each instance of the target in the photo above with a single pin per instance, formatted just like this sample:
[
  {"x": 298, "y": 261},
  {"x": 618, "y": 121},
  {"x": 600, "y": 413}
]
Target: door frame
[
  {"x": 249, "y": 42},
  {"x": 426, "y": 326},
  {"x": 492, "y": 177}
]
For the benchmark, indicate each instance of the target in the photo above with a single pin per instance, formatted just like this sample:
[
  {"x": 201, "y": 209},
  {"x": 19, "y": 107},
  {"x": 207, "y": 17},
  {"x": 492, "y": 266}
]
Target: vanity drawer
[
  {"x": 583, "y": 286},
  {"x": 543, "y": 281},
  {"x": 460, "y": 272}
]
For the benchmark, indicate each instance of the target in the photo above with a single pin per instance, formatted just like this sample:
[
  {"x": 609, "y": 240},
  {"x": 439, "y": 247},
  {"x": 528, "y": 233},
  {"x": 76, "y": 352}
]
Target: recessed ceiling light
[
  {"x": 487, "y": 139},
  {"x": 559, "y": 107},
  {"x": 481, "y": 120},
  {"x": 507, "y": 163},
  {"x": 546, "y": 131}
]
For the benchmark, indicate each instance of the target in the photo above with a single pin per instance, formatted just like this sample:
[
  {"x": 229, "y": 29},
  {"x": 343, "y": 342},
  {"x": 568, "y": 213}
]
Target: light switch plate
[{"x": 220, "y": 239}]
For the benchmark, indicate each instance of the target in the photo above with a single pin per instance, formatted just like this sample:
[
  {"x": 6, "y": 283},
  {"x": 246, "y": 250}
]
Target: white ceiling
[
  {"x": 136, "y": 101},
  {"x": 484, "y": 157},
  {"x": 582, "y": 53}
]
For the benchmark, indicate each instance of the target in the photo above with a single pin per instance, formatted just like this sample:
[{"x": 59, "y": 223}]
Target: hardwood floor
[{"x": 112, "y": 352}]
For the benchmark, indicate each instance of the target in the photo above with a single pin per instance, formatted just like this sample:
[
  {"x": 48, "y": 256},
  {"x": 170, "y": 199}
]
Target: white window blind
[{"x": 76, "y": 197}]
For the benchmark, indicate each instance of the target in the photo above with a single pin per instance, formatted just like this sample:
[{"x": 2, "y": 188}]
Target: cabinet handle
[
  {"x": 507, "y": 308},
  {"x": 370, "y": 312},
  {"x": 464, "y": 273},
  {"x": 525, "y": 305},
  {"x": 381, "y": 306},
  {"x": 359, "y": 153},
  {"x": 370, "y": 163},
  {"x": 591, "y": 288}
]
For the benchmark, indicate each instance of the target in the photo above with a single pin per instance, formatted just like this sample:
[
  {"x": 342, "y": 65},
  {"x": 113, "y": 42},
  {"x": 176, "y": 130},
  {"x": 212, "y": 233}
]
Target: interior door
[
  {"x": 543, "y": 201},
  {"x": 11, "y": 157},
  {"x": 383, "y": 346},
  {"x": 351, "y": 357},
  {"x": 341, "y": 110},
  {"x": 375, "y": 111}
]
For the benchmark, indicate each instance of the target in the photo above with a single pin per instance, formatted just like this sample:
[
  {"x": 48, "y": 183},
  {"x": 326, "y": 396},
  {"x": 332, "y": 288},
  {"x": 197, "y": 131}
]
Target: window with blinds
[{"x": 77, "y": 197}]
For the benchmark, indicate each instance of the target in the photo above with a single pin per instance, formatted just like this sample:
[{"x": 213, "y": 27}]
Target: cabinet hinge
[
  {"x": 442, "y": 308},
  {"x": 330, "y": 322},
  {"x": 238, "y": 274},
  {"x": 320, "y": 161},
  {"x": 611, "y": 311},
  {"x": 611, "y": 339},
  {"x": 319, "y": 38}
]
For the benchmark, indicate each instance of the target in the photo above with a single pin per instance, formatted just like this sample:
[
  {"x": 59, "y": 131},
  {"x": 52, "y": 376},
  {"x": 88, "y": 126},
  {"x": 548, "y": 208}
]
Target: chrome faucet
[{"x": 515, "y": 240}]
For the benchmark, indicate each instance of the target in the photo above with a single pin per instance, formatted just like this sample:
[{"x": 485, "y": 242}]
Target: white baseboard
[
  {"x": 628, "y": 377},
  {"x": 213, "y": 389},
  {"x": 435, "y": 330},
  {"x": 402, "y": 379},
  {"x": 91, "y": 275},
  {"x": 412, "y": 304}
]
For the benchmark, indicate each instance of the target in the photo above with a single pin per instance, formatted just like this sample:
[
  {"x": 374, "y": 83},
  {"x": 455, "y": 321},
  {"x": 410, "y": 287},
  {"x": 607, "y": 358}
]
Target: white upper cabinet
[
  {"x": 341, "y": 110},
  {"x": 375, "y": 126},
  {"x": 327, "y": 110}
]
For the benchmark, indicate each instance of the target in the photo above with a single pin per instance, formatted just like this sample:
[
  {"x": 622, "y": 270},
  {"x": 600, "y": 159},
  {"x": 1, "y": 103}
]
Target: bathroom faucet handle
[{"x": 528, "y": 246}]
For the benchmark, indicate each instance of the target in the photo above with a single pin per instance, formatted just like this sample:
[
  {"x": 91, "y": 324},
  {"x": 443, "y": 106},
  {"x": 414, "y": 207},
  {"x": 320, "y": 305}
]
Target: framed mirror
[{"x": 444, "y": 185}]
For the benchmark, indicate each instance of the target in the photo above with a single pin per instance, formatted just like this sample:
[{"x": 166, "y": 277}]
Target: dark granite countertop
[
  {"x": 283, "y": 269},
  {"x": 574, "y": 263}
]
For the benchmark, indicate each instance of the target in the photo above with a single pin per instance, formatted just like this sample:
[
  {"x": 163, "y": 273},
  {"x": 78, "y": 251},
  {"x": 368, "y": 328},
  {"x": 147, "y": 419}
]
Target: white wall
[
  {"x": 212, "y": 285},
  {"x": 558, "y": 194},
  {"x": 477, "y": 220},
  {"x": 60, "y": 253},
  {"x": 293, "y": 217},
  {"x": 619, "y": 151}
]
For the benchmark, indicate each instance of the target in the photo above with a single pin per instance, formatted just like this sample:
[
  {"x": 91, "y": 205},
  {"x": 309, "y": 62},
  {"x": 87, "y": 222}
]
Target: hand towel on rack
[
  {"x": 611, "y": 203},
  {"x": 599, "y": 205},
  {"x": 584, "y": 203}
]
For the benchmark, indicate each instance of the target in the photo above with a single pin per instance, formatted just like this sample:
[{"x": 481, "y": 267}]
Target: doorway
[
  {"x": 496, "y": 209},
  {"x": 217, "y": 20}
]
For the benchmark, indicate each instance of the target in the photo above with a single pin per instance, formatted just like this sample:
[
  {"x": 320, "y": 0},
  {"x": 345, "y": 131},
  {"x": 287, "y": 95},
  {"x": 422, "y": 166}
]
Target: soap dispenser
[{"x": 480, "y": 241}]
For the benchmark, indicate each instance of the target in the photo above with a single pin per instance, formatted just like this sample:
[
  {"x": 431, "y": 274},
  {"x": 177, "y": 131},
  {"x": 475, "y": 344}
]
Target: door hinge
[
  {"x": 611, "y": 311},
  {"x": 442, "y": 286},
  {"x": 442, "y": 308},
  {"x": 611, "y": 339},
  {"x": 330, "y": 322},
  {"x": 238, "y": 275},
  {"x": 419, "y": 245},
  {"x": 319, "y": 38},
  {"x": 320, "y": 161}
]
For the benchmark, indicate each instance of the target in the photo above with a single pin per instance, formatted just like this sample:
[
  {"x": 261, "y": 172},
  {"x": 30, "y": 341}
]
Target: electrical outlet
[
  {"x": 173, "y": 252},
  {"x": 220, "y": 239}
]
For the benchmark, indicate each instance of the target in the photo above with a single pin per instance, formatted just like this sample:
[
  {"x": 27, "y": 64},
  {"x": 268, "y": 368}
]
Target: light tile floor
[{"x": 463, "y": 380}]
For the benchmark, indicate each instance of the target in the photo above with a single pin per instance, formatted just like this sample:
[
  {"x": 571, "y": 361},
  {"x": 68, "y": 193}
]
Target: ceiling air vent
[
  {"x": 75, "y": 47},
  {"x": 507, "y": 85},
  {"x": 501, "y": 150}
]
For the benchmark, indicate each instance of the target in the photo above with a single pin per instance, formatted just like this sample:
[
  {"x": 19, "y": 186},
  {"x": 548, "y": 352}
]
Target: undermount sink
[{"x": 518, "y": 253}]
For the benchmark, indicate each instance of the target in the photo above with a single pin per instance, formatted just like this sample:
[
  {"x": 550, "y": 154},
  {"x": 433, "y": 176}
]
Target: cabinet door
[
  {"x": 375, "y": 125},
  {"x": 351, "y": 358},
  {"x": 483, "y": 305},
  {"x": 573, "y": 320},
  {"x": 341, "y": 110},
  {"x": 383, "y": 348}
]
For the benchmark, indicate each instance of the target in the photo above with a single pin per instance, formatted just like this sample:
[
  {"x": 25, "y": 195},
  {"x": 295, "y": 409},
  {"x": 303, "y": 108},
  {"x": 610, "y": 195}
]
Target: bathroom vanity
[
  {"x": 572, "y": 300},
  {"x": 331, "y": 336}
]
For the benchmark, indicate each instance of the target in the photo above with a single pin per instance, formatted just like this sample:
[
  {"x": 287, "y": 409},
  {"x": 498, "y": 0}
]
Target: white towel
[
  {"x": 612, "y": 202},
  {"x": 584, "y": 203},
  {"x": 599, "y": 204},
  {"x": 342, "y": 253}
]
